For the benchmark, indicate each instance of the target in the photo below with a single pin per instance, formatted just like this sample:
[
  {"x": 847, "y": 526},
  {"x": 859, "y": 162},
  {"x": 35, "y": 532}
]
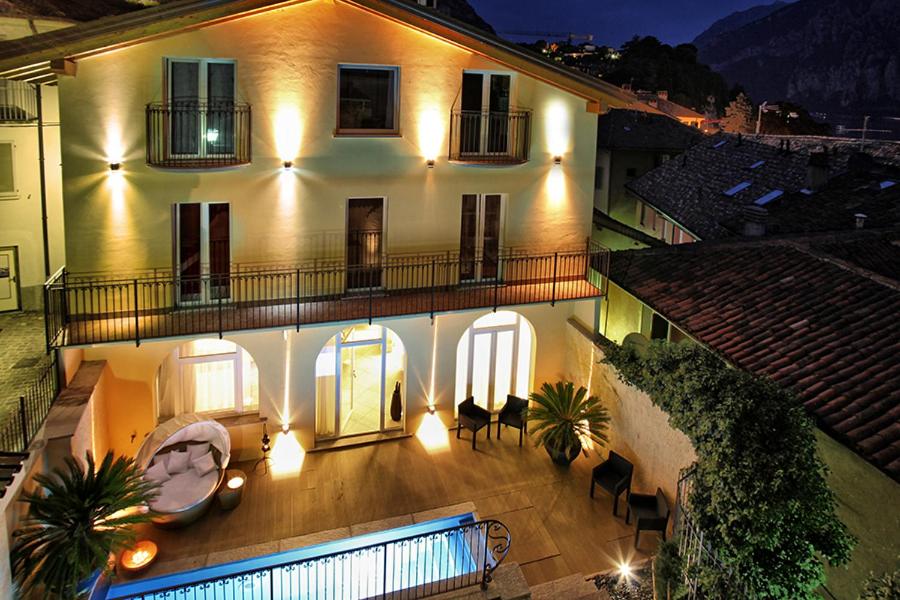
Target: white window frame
[
  {"x": 479, "y": 233},
  {"x": 238, "y": 367},
  {"x": 202, "y": 97},
  {"x": 204, "y": 246},
  {"x": 486, "y": 107},
  {"x": 12, "y": 169},
  {"x": 338, "y": 131}
]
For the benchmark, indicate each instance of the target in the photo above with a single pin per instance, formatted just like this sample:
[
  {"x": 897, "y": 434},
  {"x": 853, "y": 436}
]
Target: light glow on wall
[
  {"x": 286, "y": 401},
  {"x": 433, "y": 434},
  {"x": 431, "y": 133},
  {"x": 287, "y": 133},
  {"x": 558, "y": 129},
  {"x": 555, "y": 187},
  {"x": 287, "y": 455}
]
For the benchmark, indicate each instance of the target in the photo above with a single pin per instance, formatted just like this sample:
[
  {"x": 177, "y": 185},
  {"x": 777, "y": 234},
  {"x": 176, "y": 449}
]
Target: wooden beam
[{"x": 63, "y": 66}]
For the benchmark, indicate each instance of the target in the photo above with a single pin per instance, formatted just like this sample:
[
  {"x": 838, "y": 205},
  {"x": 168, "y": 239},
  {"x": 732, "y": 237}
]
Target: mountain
[
  {"x": 461, "y": 10},
  {"x": 828, "y": 55},
  {"x": 736, "y": 21}
]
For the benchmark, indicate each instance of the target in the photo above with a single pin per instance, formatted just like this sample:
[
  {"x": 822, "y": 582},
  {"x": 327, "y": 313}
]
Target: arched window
[
  {"x": 356, "y": 374},
  {"x": 494, "y": 358},
  {"x": 207, "y": 376}
]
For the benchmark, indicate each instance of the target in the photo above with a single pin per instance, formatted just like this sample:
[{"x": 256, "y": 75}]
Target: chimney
[
  {"x": 663, "y": 94},
  {"x": 755, "y": 219},
  {"x": 861, "y": 162},
  {"x": 817, "y": 170},
  {"x": 860, "y": 220},
  {"x": 626, "y": 87}
]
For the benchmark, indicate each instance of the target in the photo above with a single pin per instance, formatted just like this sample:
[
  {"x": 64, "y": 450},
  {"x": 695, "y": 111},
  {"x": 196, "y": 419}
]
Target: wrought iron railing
[
  {"x": 198, "y": 135},
  {"x": 413, "y": 567},
  {"x": 94, "y": 309},
  {"x": 24, "y": 418},
  {"x": 490, "y": 137},
  {"x": 697, "y": 554},
  {"x": 18, "y": 101}
]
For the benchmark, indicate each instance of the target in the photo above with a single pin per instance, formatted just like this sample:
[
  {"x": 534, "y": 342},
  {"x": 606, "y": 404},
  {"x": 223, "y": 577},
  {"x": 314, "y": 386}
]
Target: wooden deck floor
[
  {"x": 557, "y": 529},
  {"x": 215, "y": 318}
]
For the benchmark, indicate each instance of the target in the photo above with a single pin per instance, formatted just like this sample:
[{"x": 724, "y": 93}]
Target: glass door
[
  {"x": 202, "y": 103},
  {"x": 203, "y": 251},
  {"x": 365, "y": 230},
  {"x": 485, "y": 103},
  {"x": 480, "y": 233}
]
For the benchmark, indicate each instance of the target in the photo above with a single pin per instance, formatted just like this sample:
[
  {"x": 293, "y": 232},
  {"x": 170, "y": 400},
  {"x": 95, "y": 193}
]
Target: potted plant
[
  {"x": 563, "y": 418},
  {"x": 78, "y": 517}
]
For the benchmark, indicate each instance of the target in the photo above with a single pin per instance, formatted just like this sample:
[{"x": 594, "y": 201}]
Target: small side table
[{"x": 232, "y": 489}]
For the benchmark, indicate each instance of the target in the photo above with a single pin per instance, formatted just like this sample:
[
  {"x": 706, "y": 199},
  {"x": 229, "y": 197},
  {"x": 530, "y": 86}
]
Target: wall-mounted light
[
  {"x": 432, "y": 409},
  {"x": 288, "y": 164},
  {"x": 285, "y": 427},
  {"x": 557, "y": 160},
  {"x": 115, "y": 166},
  {"x": 430, "y": 163}
]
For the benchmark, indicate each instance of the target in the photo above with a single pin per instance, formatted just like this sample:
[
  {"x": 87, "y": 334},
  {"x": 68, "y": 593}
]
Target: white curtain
[{"x": 169, "y": 397}]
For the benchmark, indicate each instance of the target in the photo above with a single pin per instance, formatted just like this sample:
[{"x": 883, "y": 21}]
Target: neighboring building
[
  {"x": 817, "y": 315},
  {"x": 629, "y": 144},
  {"x": 392, "y": 190},
  {"x": 660, "y": 101},
  {"x": 728, "y": 182}
]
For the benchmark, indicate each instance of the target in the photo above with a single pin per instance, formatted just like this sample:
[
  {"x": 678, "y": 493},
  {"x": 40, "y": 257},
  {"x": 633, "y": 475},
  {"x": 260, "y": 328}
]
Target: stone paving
[{"x": 22, "y": 354}]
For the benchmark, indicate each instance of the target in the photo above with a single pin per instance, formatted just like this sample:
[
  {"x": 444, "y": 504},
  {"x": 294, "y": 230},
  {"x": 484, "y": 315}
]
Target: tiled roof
[
  {"x": 813, "y": 325},
  {"x": 667, "y": 106},
  {"x": 639, "y": 130},
  {"x": 706, "y": 188},
  {"x": 886, "y": 152},
  {"x": 880, "y": 254}
]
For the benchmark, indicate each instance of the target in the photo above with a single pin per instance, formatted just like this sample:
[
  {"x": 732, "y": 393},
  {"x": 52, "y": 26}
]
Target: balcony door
[
  {"x": 484, "y": 127},
  {"x": 201, "y": 96},
  {"x": 365, "y": 233},
  {"x": 480, "y": 237},
  {"x": 203, "y": 251}
]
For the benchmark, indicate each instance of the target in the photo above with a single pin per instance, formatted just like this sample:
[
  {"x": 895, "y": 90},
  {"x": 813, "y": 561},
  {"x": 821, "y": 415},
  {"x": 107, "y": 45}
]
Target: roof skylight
[
  {"x": 720, "y": 144},
  {"x": 757, "y": 164},
  {"x": 887, "y": 183},
  {"x": 763, "y": 200},
  {"x": 738, "y": 188}
]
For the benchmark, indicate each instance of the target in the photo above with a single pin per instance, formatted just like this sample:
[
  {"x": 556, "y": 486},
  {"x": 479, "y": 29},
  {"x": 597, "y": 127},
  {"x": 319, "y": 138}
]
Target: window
[
  {"x": 217, "y": 376},
  {"x": 598, "y": 178},
  {"x": 201, "y": 95},
  {"x": 368, "y": 100},
  {"x": 7, "y": 179},
  {"x": 428, "y": 3}
]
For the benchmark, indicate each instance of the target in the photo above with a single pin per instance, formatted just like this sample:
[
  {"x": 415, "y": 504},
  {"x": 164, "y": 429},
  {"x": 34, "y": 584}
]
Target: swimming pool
[{"x": 409, "y": 562}]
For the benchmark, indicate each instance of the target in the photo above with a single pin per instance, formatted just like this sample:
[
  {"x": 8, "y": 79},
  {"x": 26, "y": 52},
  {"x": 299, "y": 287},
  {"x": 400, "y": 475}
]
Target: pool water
[{"x": 412, "y": 561}]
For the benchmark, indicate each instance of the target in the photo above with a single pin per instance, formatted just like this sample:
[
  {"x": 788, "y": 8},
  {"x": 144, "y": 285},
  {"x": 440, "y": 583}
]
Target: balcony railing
[
  {"x": 498, "y": 138},
  {"x": 413, "y": 567},
  {"x": 92, "y": 309},
  {"x": 18, "y": 101},
  {"x": 198, "y": 135}
]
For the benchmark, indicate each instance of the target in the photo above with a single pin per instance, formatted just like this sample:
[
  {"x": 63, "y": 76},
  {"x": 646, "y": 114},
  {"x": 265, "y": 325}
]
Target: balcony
[
  {"x": 93, "y": 309},
  {"x": 18, "y": 101},
  {"x": 198, "y": 135},
  {"x": 490, "y": 138}
]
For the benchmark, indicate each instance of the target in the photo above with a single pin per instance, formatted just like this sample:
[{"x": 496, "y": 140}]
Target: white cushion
[
  {"x": 184, "y": 490},
  {"x": 157, "y": 473},
  {"x": 197, "y": 450},
  {"x": 204, "y": 464},
  {"x": 177, "y": 462}
]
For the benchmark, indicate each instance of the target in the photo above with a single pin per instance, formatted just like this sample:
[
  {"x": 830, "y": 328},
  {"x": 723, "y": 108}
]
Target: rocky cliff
[{"x": 830, "y": 55}]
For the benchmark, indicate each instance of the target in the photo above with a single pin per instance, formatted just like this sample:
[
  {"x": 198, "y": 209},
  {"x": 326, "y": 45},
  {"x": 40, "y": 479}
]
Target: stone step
[{"x": 571, "y": 587}]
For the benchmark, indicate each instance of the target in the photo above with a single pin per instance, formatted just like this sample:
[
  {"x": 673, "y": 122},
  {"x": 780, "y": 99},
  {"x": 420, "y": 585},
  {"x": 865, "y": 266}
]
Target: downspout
[{"x": 43, "y": 177}]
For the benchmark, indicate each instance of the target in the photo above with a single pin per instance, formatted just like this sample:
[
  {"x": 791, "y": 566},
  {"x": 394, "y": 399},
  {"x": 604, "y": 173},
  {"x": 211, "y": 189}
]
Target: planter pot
[{"x": 563, "y": 457}]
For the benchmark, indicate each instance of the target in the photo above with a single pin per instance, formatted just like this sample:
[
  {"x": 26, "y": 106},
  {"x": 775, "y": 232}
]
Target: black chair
[
  {"x": 513, "y": 414},
  {"x": 614, "y": 476},
  {"x": 651, "y": 512},
  {"x": 473, "y": 418}
]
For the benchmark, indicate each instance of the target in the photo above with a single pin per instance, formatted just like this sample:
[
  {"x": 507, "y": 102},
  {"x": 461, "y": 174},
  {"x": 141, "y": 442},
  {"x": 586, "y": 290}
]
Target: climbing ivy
[{"x": 759, "y": 492}]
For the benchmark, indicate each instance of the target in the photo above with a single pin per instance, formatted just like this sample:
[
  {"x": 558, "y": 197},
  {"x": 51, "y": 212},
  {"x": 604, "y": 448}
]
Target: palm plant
[
  {"x": 77, "y": 518},
  {"x": 564, "y": 417}
]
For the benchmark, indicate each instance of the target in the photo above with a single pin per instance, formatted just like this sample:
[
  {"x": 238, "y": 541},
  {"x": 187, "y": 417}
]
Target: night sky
[{"x": 611, "y": 21}]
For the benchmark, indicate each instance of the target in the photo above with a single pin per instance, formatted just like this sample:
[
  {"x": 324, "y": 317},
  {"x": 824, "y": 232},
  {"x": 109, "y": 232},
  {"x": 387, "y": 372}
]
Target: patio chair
[
  {"x": 651, "y": 512},
  {"x": 473, "y": 418},
  {"x": 614, "y": 476},
  {"x": 513, "y": 415}
]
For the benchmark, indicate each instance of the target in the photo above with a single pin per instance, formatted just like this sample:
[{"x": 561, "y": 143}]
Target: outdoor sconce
[
  {"x": 114, "y": 166},
  {"x": 285, "y": 427},
  {"x": 431, "y": 409},
  {"x": 557, "y": 160},
  {"x": 430, "y": 163},
  {"x": 288, "y": 164}
]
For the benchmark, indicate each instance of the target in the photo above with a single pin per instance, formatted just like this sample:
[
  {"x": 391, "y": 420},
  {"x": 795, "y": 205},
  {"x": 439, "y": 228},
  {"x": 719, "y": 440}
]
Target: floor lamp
[{"x": 266, "y": 448}]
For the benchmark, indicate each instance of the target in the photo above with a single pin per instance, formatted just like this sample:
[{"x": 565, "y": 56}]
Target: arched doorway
[
  {"x": 210, "y": 376},
  {"x": 495, "y": 357},
  {"x": 356, "y": 374}
]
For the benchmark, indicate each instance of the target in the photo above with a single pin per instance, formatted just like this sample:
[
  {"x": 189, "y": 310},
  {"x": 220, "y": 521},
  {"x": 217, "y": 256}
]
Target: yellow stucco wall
[{"x": 287, "y": 65}]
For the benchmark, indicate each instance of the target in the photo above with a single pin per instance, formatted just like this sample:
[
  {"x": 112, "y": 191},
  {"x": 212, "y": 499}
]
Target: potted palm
[
  {"x": 564, "y": 417},
  {"x": 78, "y": 517}
]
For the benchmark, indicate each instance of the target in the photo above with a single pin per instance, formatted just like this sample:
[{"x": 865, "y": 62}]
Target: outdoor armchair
[
  {"x": 513, "y": 414},
  {"x": 614, "y": 476},
  {"x": 651, "y": 513},
  {"x": 473, "y": 418}
]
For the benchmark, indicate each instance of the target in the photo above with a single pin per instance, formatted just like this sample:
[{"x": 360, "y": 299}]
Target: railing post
[
  {"x": 47, "y": 316},
  {"x": 137, "y": 323},
  {"x": 497, "y": 282},
  {"x": 555, "y": 263},
  {"x": 220, "y": 315},
  {"x": 24, "y": 420},
  {"x": 432, "y": 289},
  {"x": 370, "y": 299},
  {"x": 298, "y": 300}
]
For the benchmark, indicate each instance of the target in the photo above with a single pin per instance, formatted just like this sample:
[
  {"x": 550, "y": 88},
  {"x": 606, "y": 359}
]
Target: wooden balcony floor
[
  {"x": 556, "y": 528},
  {"x": 211, "y": 318}
]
